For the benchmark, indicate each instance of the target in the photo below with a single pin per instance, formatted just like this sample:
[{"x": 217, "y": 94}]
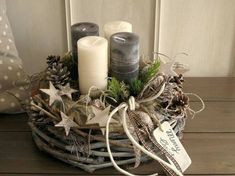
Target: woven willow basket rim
[{"x": 53, "y": 141}]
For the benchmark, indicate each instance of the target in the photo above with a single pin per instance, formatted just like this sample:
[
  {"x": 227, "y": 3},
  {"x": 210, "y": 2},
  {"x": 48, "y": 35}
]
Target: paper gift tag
[{"x": 169, "y": 141}]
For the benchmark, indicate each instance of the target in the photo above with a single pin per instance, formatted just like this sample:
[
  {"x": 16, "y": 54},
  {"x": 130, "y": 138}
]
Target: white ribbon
[
  {"x": 132, "y": 106},
  {"x": 155, "y": 157}
]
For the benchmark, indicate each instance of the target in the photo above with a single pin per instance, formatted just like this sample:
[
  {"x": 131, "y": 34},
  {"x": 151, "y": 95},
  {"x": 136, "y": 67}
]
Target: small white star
[
  {"x": 53, "y": 93},
  {"x": 13, "y": 104},
  {"x": 101, "y": 118},
  {"x": 5, "y": 77},
  {"x": 66, "y": 122},
  {"x": 21, "y": 88},
  {"x": 66, "y": 90},
  {"x": 9, "y": 67},
  {"x": 167, "y": 68}
]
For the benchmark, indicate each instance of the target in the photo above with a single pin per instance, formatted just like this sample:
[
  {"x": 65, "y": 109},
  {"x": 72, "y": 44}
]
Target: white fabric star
[
  {"x": 66, "y": 122},
  {"x": 66, "y": 90},
  {"x": 167, "y": 68},
  {"x": 101, "y": 118},
  {"x": 53, "y": 93}
]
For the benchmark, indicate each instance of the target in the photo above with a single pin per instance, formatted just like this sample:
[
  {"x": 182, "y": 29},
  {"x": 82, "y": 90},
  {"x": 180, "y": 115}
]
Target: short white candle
[
  {"x": 93, "y": 63},
  {"x": 115, "y": 27}
]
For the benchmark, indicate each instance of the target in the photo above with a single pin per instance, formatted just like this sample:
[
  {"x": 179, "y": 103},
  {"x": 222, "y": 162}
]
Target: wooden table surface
[{"x": 209, "y": 138}]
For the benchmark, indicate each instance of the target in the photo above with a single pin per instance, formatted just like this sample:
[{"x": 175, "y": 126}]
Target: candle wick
[{"x": 120, "y": 38}]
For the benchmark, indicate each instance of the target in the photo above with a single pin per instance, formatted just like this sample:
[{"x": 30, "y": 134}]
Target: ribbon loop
[{"x": 132, "y": 104}]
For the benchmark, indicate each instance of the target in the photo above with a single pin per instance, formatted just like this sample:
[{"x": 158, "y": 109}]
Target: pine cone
[
  {"x": 180, "y": 100},
  {"x": 52, "y": 59},
  {"x": 57, "y": 73},
  {"x": 36, "y": 115},
  {"x": 179, "y": 80}
]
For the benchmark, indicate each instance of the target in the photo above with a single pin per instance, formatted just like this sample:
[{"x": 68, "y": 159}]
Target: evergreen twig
[
  {"x": 150, "y": 72},
  {"x": 117, "y": 90}
]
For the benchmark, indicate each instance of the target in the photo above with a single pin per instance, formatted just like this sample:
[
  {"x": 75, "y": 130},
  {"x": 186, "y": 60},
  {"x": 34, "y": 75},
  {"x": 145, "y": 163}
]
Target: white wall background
[
  {"x": 39, "y": 28},
  {"x": 205, "y": 29},
  {"x": 141, "y": 13}
]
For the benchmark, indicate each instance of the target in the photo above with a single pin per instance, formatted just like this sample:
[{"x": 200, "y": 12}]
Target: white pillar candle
[
  {"x": 93, "y": 63},
  {"x": 115, "y": 27}
]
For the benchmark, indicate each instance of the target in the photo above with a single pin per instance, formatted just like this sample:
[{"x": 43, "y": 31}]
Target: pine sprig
[
  {"x": 135, "y": 87},
  {"x": 150, "y": 72},
  {"x": 117, "y": 90}
]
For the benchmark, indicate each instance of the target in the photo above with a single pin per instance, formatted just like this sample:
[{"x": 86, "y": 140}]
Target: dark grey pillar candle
[
  {"x": 124, "y": 56},
  {"x": 80, "y": 30}
]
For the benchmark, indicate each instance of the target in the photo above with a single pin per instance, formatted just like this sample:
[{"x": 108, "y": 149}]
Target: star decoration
[
  {"x": 53, "y": 93},
  {"x": 66, "y": 90},
  {"x": 66, "y": 122},
  {"x": 101, "y": 118},
  {"x": 181, "y": 68},
  {"x": 167, "y": 68}
]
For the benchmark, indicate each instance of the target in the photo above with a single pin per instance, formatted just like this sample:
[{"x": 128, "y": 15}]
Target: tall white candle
[
  {"x": 93, "y": 63},
  {"x": 115, "y": 27}
]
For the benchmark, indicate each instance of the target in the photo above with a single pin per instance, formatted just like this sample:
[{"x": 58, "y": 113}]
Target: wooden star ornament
[
  {"x": 67, "y": 123},
  {"x": 167, "y": 68},
  {"x": 53, "y": 94},
  {"x": 101, "y": 118},
  {"x": 66, "y": 90}
]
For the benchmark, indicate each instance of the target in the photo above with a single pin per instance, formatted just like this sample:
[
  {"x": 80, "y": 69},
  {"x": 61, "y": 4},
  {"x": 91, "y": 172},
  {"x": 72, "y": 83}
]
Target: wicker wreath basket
[
  {"x": 53, "y": 112},
  {"x": 82, "y": 149}
]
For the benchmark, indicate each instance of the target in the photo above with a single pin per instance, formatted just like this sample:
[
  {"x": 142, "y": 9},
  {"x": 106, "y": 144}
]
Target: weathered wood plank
[
  {"x": 212, "y": 89},
  {"x": 217, "y": 117},
  {"x": 212, "y": 153},
  {"x": 17, "y": 122}
]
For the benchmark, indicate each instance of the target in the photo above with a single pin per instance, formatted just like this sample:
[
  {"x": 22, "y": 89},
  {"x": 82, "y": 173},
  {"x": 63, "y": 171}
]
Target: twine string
[{"x": 194, "y": 112}]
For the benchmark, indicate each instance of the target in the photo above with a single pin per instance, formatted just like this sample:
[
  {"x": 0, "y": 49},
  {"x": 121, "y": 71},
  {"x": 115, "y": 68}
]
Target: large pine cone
[{"x": 57, "y": 73}]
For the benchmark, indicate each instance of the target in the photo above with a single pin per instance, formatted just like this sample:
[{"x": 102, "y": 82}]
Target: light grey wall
[
  {"x": 140, "y": 13},
  {"x": 39, "y": 28},
  {"x": 205, "y": 30}
]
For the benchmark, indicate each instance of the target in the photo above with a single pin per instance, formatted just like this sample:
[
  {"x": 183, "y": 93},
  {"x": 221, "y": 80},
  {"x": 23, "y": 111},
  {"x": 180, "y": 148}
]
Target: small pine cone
[
  {"x": 179, "y": 80},
  {"x": 52, "y": 59},
  {"x": 58, "y": 74},
  {"x": 180, "y": 100}
]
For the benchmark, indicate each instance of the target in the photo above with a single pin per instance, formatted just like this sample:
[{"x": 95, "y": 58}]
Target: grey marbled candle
[
  {"x": 80, "y": 30},
  {"x": 124, "y": 56}
]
